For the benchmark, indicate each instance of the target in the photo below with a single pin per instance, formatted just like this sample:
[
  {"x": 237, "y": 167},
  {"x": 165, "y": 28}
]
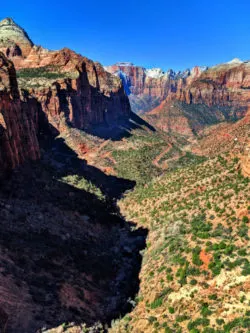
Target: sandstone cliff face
[
  {"x": 74, "y": 87},
  {"x": 220, "y": 93},
  {"x": 18, "y": 121},
  {"x": 133, "y": 77},
  {"x": 227, "y": 84},
  {"x": 148, "y": 88},
  {"x": 65, "y": 84}
]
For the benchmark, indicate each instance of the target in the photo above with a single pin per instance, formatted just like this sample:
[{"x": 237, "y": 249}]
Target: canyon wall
[
  {"x": 66, "y": 84},
  {"x": 74, "y": 87},
  {"x": 18, "y": 121},
  {"x": 146, "y": 88},
  {"x": 186, "y": 102},
  {"x": 222, "y": 85},
  {"x": 55, "y": 86},
  {"x": 226, "y": 84}
]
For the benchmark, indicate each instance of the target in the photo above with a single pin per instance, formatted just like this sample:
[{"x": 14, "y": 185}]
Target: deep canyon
[{"x": 118, "y": 186}]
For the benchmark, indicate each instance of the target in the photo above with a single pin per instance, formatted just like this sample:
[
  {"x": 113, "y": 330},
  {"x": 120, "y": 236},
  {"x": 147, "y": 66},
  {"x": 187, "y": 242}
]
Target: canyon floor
[{"x": 140, "y": 224}]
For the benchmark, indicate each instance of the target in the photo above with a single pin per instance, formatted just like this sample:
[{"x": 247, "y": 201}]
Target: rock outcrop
[
  {"x": 221, "y": 93},
  {"x": 18, "y": 121},
  {"x": 69, "y": 85},
  {"x": 186, "y": 102},
  {"x": 225, "y": 85},
  {"x": 65, "y": 84},
  {"x": 14, "y": 41}
]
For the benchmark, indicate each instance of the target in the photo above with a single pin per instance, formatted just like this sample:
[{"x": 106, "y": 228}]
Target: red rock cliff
[
  {"x": 18, "y": 121},
  {"x": 75, "y": 87},
  {"x": 148, "y": 88},
  {"x": 227, "y": 85},
  {"x": 63, "y": 82}
]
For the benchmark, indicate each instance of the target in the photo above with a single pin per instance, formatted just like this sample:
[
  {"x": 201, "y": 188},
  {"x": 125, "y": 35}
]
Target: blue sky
[{"x": 151, "y": 33}]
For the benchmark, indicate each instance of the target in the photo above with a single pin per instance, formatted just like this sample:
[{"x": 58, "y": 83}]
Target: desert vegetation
[{"x": 195, "y": 273}]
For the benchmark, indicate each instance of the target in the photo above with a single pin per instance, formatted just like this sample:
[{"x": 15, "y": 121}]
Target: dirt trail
[{"x": 159, "y": 157}]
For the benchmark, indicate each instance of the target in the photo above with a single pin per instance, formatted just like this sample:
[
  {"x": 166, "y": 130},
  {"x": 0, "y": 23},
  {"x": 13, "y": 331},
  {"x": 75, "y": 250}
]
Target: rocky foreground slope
[{"x": 195, "y": 274}]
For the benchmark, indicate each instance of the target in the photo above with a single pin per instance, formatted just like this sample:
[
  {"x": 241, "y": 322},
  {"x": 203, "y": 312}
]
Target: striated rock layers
[
  {"x": 147, "y": 88},
  {"x": 185, "y": 103},
  {"x": 65, "y": 83},
  {"x": 14, "y": 41},
  {"x": 74, "y": 87},
  {"x": 225, "y": 85},
  {"x": 18, "y": 121},
  {"x": 145, "y": 91},
  {"x": 60, "y": 87},
  {"x": 221, "y": 93}
]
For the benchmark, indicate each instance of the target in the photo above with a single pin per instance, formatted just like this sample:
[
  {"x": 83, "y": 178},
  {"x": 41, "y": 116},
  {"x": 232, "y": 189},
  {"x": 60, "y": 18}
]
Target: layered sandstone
[
  {"x": 18, "y": 121},
  {"x": 65, "y": 84},
  {"x": 147, "y": 88},
  {"x": 218, "y": 94},
  {"x": 74, "y": 87},
  {"x": 14, "y": 41},
  {"x": 226, "y": 84}
]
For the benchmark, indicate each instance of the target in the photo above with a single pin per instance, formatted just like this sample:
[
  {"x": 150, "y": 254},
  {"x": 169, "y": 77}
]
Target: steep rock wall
[
  {"x": 18, "y": 121},
  {"x": 80, "y": 89}
]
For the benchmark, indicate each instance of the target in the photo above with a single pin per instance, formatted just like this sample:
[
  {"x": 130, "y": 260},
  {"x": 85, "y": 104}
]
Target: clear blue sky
[{"x": 151, "y": 33}]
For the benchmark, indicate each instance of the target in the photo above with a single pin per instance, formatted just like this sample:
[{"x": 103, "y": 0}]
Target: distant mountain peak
[
  {"x": 154, "y": 72},
  {"x": 124, "y": 63},
  {"x": 235, "y": 61},
  {"x": 14, "y": 36},
  {"x": 7, "y": 21}
]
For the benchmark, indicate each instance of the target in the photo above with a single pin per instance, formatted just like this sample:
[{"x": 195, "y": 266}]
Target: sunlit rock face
[
  {"x": 69, "y": 85},
  {"x": 14, "y": 41},
  {"x": 147, "y": 88},
  {"x": 65, "y": 84}
]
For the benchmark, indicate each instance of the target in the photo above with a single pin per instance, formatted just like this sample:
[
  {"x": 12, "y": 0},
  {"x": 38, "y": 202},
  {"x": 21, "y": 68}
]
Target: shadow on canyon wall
[
  {"x": 122, "y": 129},
  {"x": 66, "y": 254}
]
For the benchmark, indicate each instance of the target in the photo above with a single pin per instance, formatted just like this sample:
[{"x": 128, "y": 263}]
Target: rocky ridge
[
  {"x": 187, "y": 102},
  {"x": 225, "y": 85},
  {"x": 14, "y": 41},
  {"x": 146, "y": 88}
]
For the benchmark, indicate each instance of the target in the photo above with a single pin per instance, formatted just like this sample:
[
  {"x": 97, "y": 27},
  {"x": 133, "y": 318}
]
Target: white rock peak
[
  {"x": 154, "y": 73},
  {"x": 235, "y": 61},
  {"x": 11, "y": 31}
]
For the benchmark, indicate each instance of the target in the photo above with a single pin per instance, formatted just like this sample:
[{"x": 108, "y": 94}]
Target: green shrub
[
  {"x": 156, "y": 303},
  {"x": 171, "y": 310},
  {"x": 245, "y": 219}
]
